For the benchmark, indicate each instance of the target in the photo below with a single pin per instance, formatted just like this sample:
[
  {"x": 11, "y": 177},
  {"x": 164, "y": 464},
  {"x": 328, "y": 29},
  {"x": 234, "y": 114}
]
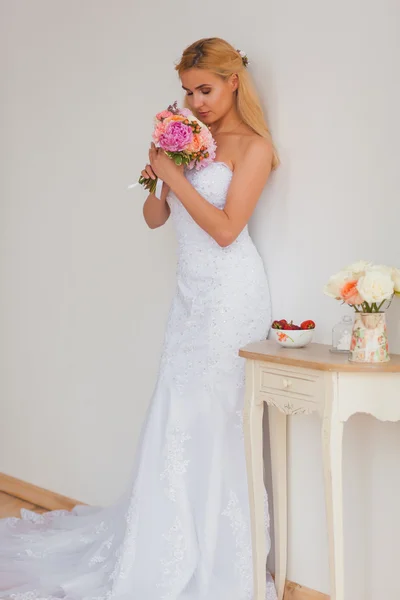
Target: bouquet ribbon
[{"x": 158, "y": 189}]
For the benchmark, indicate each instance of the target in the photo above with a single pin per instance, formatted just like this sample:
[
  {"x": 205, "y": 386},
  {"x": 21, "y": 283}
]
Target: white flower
[
  {"x": 359, "y": 267},
  {"x": 243, "y": 56},
  {"x": 392, "y": 272},
  {"x": 336, "y": 282},
  {"x": 375, "y": 286},
  {"x": 396, "y": 280},
  {"x": 381, "y": 268}
]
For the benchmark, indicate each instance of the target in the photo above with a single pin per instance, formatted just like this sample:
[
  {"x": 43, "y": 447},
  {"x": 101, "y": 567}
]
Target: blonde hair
[{"x": 218, "y": 56}]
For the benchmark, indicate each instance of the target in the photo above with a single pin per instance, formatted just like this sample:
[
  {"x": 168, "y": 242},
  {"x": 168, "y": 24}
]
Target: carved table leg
[
  {"x": 332, "y": 439},
  {"x": 277, "y": 433},
  {"x": 253, "y": 435}
]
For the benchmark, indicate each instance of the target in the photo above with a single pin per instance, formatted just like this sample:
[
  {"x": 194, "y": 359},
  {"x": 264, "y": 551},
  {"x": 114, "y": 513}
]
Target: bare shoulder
[
  {"x": 252, "y": 142},
  {"x": 254, "y": 148}
]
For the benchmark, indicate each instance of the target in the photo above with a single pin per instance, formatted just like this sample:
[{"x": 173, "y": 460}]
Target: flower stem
[{"x": 149, "y": 184}]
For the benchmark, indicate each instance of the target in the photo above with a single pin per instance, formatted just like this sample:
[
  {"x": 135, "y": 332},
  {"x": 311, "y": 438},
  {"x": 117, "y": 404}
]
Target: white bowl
[{"x": 296, "y": 338}]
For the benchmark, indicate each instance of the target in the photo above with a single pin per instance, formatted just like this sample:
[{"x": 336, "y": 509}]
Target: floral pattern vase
[{"x": 369, "y": 342}]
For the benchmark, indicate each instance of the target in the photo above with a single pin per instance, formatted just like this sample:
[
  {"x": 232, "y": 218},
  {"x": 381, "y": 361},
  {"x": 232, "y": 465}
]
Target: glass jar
[{"x": 341, "y": 335}]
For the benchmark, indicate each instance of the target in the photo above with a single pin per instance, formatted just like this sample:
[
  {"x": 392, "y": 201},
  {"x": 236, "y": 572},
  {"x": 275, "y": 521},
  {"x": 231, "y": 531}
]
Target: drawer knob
[{"x": 287, "y": 383}]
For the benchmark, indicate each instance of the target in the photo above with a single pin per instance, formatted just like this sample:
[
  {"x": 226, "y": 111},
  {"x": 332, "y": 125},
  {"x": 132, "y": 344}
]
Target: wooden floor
[{"x": 11, "y": 506}]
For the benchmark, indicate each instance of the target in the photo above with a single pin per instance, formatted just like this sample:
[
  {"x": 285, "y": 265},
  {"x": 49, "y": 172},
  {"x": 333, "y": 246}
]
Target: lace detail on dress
[
  {"x": 89, "y": 538},
  {"x": 33, "y": 595},
  {"x": 43, "y": 518},
  {"x": 11, "y": 522},
  {"x": 172, "y": 565},
  {"x": 240, "y": 530},
  {"x": 100, "y": 557},
  {"x": 175, "y": 467},
  {"x": 125, "y": 555},
  {"x": 266, "y": 513},
  {"x": 175, "y": 464},
  {"x": 240, "y": 425}
]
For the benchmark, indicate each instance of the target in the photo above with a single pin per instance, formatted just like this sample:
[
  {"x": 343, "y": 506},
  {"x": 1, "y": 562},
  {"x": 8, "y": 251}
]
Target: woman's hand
[
  {"x": 148, "y": 173},
  {"x": 163, "y": 166}
]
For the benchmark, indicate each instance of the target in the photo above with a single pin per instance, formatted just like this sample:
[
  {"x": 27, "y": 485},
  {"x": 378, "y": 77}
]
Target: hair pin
[{"x": 245, "y": 60}]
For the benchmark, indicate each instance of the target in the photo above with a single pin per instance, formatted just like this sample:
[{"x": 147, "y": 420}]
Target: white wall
[{"x": 85, "y": 287}]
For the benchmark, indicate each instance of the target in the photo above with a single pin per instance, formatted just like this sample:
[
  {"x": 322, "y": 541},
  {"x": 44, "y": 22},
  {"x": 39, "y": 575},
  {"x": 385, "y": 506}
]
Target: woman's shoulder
[
  {"x": 251, "y": 143},
  {"x": 248, "y": 138}
]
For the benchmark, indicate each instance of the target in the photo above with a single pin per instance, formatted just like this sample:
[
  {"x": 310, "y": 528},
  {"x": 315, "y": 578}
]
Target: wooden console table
[{"x": 301, "y": 381}]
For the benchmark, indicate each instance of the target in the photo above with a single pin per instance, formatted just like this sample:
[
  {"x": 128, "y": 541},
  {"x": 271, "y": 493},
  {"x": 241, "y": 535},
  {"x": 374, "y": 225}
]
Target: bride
[{"x": 181, "y": 530}]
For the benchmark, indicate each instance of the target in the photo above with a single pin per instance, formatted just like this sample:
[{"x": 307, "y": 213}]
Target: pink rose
[
  {"x": 158, "y": 132},
  {"x": 349, "y": 293},
  {"x": 163, "y": 115}
]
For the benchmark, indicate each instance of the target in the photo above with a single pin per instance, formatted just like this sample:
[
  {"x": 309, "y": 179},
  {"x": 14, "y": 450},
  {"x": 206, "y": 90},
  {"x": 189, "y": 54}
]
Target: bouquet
[
  {"x": 184, "y": 138},
  {"x": 364, "y": 286}
]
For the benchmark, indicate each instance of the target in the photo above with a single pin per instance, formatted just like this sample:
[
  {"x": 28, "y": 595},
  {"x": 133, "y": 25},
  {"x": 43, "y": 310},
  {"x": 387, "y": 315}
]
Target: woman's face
[{"x": 208, "y": 96}]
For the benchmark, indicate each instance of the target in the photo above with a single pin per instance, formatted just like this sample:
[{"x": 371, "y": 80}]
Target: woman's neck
[{"x": 227, "y": 124}]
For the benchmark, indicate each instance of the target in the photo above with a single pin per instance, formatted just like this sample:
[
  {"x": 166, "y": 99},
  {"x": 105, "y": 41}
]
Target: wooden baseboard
[
  {"x": 34, "y": 494},
  {"x": 294, "y": 591},
  {"x": 52, "y": 501}
]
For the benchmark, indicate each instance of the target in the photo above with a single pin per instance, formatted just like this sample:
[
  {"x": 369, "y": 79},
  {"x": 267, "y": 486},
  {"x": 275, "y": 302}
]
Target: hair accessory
[{"x": 245, "y": 60}]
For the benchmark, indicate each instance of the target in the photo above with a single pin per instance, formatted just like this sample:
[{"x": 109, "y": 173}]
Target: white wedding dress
[{"x": 181, "y": 531}]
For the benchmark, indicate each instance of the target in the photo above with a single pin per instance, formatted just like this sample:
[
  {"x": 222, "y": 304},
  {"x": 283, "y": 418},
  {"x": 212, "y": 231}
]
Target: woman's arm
[
  {"x": 156, "y": 210},
  {"x": 248, "y": 181}
]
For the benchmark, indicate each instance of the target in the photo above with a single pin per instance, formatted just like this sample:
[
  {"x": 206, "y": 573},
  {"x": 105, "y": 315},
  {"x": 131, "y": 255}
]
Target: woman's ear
[{"x": 234, "y": 82}]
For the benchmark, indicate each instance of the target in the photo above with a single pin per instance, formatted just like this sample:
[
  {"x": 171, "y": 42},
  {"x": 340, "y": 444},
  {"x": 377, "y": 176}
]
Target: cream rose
[
  {"x": 381, "y": 268},
  {"x": 396, "y": 281},
  {"x": 375, "y": 286},
  {"x": 359, "y": 267}
]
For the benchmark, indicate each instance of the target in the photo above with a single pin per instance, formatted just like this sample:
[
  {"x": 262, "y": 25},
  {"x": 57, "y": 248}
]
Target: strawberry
[
  {"x": 308, "y": 324},
  {"x": 279, "y": 324},
  {"x": 290, "y": 326}
]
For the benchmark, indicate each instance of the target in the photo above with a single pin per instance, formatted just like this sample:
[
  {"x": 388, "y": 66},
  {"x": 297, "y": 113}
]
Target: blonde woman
[{"x": 181, "y": 531}]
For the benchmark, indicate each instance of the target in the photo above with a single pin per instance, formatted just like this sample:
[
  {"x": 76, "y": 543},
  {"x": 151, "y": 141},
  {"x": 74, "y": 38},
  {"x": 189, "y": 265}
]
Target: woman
[{"x": 181, "y": 531}]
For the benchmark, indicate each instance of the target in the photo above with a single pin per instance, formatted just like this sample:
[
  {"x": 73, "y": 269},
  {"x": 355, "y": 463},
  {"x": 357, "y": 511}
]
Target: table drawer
[{"x": 293, "y": 383}]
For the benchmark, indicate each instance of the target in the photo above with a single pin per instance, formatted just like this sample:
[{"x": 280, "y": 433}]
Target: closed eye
[{"x": 205, "y": 92}]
